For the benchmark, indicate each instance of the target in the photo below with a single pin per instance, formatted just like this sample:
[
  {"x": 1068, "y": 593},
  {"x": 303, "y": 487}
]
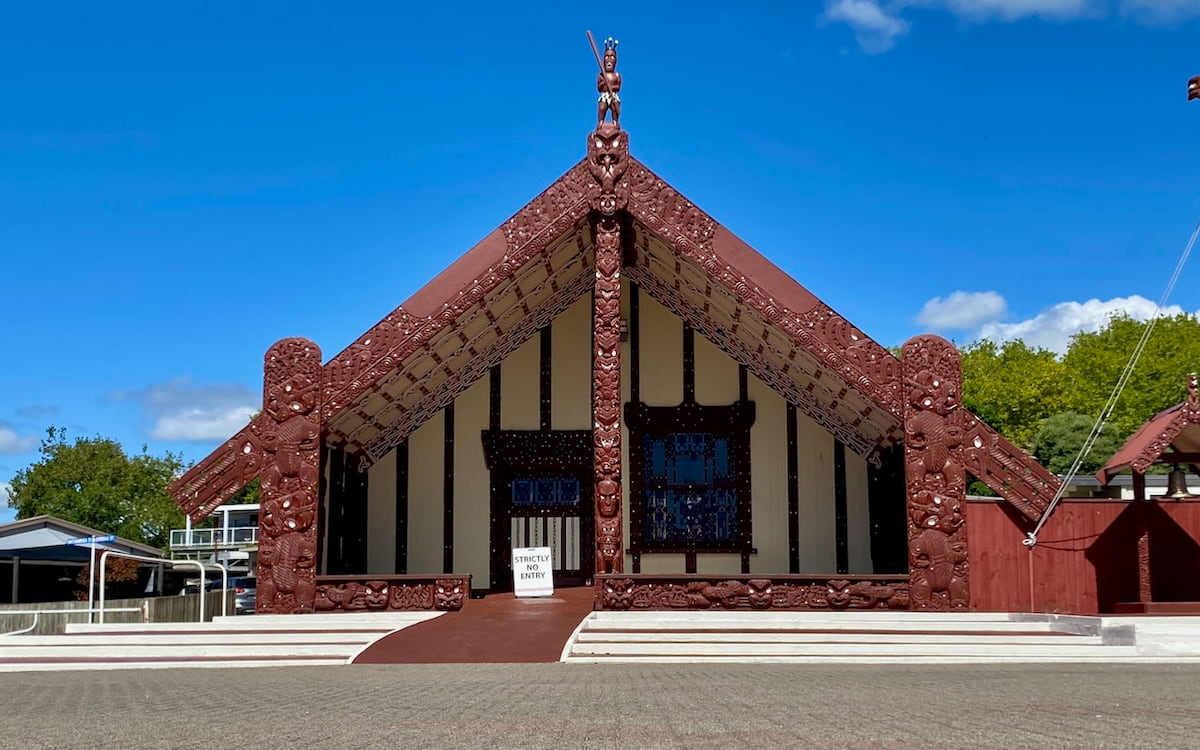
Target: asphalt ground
[{"x": 605, "y": 706}]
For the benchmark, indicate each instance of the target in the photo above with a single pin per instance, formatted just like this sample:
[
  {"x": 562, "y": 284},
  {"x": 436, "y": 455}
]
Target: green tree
[
  {"x": 91, "y": 481},
  {"x": 1012, "y": 387},
  {"x": 1061, "y": 437},
  {"x": 1094, "y": 361}
]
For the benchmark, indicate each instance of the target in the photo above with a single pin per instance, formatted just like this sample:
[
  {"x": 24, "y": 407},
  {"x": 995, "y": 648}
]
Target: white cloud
[
  {"x": 11, "y": 442},
  {"x": 178, "y": 410},
  {"x": 878, "y": 24},
  {"x": 875, "y": 27},
  {"x": 962, "y": 311},
  {"x": 1052, "y": 328}
]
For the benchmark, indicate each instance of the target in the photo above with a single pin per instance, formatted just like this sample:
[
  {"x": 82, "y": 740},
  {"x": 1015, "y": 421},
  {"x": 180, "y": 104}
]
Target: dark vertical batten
[
  {"x": 689, "y": 364},
  {"x": 335, "y": 561},
  {"x": 840, "y": 520},
  {"x": 544, "y": 380},
  {"x": 635, "y": 347},
  {"x": 401, "y": 563},
  {"x": 886, "y": 505},
  {"x": 793, "y": 491},
  {"x": 448, "y": 493}
]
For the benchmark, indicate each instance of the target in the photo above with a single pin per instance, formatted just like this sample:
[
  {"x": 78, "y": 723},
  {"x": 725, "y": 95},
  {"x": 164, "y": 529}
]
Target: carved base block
[
  {"x": 391, "y": 593},
  {"x": 750, "y": 592}
]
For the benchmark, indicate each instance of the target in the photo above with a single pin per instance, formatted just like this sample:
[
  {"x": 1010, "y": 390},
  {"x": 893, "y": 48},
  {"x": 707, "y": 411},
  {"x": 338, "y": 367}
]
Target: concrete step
[
  {"x": 1100, "y": 657},
  {"x": 34, "y": 665},
  {"x": 751, "y": 622},
  {"x": 592, "y": 635},
  {"x": 185, "y": 639},
  {"x": 991, "y": 649},
  {"x": 179, "y": 651},
  {"x": 383, "y": 622},
  {"x": 270, "y": 640}
]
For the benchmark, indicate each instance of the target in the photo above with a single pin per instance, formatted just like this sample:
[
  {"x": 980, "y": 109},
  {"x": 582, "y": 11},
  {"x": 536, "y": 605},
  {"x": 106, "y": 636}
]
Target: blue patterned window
[
  {"x": 690, "y": 486},
  {"x": 545, "y": 492}
]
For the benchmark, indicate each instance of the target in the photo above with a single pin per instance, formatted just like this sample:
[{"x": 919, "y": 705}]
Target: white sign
[{"x": 533, "y": 571}]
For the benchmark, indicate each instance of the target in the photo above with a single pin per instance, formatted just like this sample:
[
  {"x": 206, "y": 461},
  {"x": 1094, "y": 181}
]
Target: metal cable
[{"x": 1106, "y": 412}]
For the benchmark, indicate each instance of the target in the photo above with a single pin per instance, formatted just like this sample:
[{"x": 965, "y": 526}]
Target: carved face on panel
[
  {"x": 618, "y": 594},
  {"x": 608, "y": 493},
  {"x": 375, "y": 594},
  {"x": 449, "y": 593},
  {"x": 296, "y": 396},
  {"x": 759, "y": 594}
]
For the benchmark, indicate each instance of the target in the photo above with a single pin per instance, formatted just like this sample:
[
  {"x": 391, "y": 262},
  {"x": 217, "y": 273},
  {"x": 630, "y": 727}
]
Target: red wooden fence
[{"x": 1086, "y": 557}]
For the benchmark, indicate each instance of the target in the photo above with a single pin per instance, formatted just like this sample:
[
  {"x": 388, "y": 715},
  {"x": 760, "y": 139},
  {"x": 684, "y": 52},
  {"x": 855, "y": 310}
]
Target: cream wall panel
[
  {"x": 472, "y": 486},
  {"x": 664, "y": 564},
  {"x": 519, "y": 379},
  {"x": 716, "y": 374},
  {"x": 768, "y": 479},
  {"x": 818, "y": 532},
  {"x": 722, "y": 565},
  {"x": 661, "y": 354},
  {"x": 381, "y": 516},
  {"x": 858, "y": 515},
  {"x": 571, "y": 367},
  {"x": 426, "y": 453}
]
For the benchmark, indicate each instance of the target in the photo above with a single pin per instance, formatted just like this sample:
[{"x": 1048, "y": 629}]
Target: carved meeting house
[{"x": 613, "y": 374}]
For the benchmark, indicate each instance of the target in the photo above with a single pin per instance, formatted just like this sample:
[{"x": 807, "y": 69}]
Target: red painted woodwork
[
  {"x": 1086, "y": 558},
  {"x": 608, "y": 152},
  {"x": 396, "y": 593},
  {"x": 751, "y": 592},
  {"x": 291, "y": 474}
]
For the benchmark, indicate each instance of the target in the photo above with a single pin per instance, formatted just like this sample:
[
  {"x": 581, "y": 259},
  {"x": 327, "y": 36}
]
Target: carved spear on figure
[
  {"x": 608, "y": 83},
  {"x": 1194, "y": 88}
]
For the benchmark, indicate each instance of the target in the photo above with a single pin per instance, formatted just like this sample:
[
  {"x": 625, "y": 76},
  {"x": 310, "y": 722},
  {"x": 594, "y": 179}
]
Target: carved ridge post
[
  {"x": 290, "y": 477},
  {"x": 608, "y": 196},
  {"x": 936, "y": 481}
]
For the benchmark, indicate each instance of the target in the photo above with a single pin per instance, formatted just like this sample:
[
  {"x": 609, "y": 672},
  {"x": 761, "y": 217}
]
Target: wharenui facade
[{"x": 615, "y": 375}]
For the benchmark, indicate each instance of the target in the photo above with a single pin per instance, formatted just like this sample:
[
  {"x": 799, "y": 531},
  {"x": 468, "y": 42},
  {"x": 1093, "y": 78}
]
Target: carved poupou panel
[
  {"x": 291, "y": 421},
  {"x": 935, "y": 441}
]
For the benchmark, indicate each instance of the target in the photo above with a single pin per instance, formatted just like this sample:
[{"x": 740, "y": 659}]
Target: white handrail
[
  {"x": 36, "y": 612},
  {"x": 199, "y": 566}
]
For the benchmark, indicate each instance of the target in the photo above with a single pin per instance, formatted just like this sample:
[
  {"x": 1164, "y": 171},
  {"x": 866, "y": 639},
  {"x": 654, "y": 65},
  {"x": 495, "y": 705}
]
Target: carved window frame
[{"x": 734, "y": 420}]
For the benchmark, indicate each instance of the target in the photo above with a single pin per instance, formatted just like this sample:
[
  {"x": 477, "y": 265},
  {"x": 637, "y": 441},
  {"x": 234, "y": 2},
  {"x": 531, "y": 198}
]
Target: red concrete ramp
[{"x": 496, "y": 629}]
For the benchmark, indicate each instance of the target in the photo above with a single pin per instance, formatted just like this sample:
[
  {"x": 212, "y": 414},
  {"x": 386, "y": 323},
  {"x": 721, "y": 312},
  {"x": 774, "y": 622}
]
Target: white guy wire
[{"x": 1106, "y": 412}]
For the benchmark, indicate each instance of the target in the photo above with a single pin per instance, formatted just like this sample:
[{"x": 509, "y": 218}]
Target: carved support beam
[
  {"x": 934, "y": 456},
  {"x": 291, "y": 477},
  {"x": 608, "y": 155}
]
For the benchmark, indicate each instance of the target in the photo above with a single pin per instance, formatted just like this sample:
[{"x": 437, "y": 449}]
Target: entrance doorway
[{"x": 541, "y": 496}]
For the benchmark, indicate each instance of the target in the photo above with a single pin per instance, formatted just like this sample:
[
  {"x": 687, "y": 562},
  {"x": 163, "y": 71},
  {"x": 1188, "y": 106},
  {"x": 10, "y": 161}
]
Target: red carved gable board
[
  {"x": 1167, "y": 429},
  {"x": 419, "y": 357}
]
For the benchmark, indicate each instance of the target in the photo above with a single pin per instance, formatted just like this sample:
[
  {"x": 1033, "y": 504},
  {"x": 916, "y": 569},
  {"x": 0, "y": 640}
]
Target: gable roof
[
  {"x": 520, "y": 276},
  {"x": 47, "y": 532},
  {"x": 1176, "y": 428}
]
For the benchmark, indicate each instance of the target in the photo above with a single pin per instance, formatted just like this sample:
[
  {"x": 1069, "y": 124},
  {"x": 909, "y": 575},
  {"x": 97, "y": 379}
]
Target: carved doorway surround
[{"x": 541, "y": 496}]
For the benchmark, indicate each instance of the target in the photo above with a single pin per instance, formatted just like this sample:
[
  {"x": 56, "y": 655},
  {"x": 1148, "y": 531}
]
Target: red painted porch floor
[{"x": 498, "y": 629}]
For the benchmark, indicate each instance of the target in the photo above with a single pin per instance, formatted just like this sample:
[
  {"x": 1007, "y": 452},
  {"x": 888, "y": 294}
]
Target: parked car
[{"x": 244, "y": 590}]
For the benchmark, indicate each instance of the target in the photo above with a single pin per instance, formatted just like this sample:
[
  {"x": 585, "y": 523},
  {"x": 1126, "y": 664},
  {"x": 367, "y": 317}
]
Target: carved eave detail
[{"x": 1187, "y": 414}]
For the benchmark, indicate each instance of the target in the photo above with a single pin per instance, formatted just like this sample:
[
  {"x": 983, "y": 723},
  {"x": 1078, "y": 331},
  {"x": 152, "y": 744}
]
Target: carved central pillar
[
  {"x": 608, "y": 154},
  {"x": 291, "y": 476},
  {"x": 935, "y": 442}
]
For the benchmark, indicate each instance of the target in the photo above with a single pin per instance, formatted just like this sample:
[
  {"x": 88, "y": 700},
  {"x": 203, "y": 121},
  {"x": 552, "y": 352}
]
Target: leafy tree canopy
[
  {"x": 92, "y": 482},
  {"x": 1048, "y": 404},
  {"x": 1060, "y": 438}
]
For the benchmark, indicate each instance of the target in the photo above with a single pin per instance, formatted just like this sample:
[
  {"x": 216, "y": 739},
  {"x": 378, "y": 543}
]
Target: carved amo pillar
[
  {"x": 935, "y": 479},
  {"x": 287, "y": 544},
  {"x": 608, "y": 195}
]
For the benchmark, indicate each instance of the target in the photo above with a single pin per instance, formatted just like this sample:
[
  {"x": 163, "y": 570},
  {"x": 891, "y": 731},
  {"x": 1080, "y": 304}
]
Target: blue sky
[{"x": 183, "y": 184}]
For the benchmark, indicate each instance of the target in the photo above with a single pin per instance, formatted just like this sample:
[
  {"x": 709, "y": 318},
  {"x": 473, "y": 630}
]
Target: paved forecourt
[{"x": 605, "y": 706}]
